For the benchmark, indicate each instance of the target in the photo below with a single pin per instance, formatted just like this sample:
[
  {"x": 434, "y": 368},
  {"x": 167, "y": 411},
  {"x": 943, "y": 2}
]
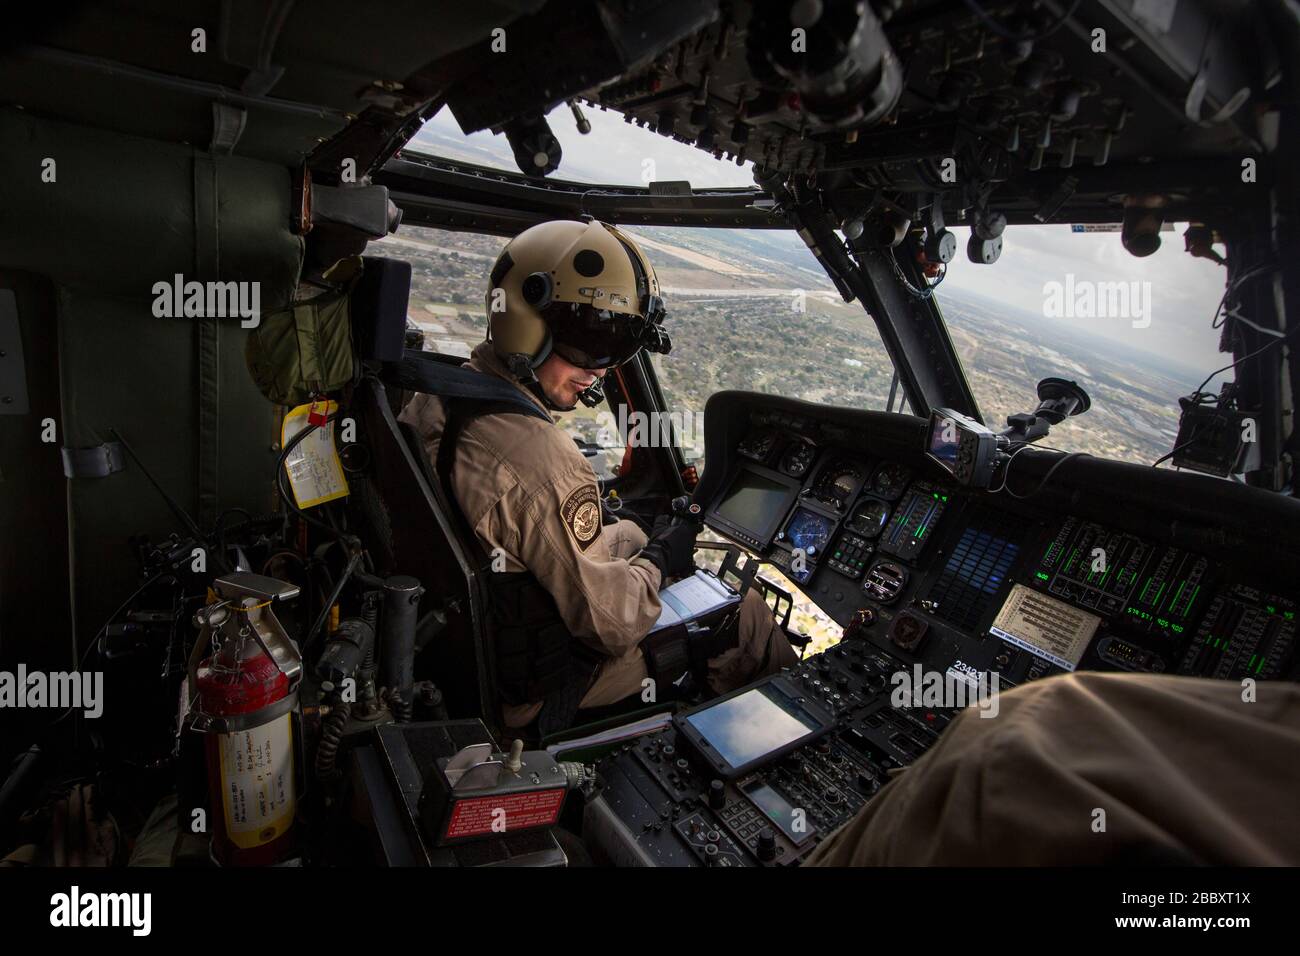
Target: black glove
[{"x": 671, "y": 548}]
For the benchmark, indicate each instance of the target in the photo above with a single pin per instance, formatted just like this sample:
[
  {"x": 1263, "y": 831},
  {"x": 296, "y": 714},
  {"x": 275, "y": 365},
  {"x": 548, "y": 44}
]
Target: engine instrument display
[
  {"x": 1111, "y": 571},
  {"x": 914, "y": 520}
]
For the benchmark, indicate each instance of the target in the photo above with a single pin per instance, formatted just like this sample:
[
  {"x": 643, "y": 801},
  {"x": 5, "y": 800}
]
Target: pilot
[{"x": 566, "y": 302}]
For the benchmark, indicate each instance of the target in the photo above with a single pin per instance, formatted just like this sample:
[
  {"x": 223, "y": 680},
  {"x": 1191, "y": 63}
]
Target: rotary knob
[{"x": 717, "y": 795}]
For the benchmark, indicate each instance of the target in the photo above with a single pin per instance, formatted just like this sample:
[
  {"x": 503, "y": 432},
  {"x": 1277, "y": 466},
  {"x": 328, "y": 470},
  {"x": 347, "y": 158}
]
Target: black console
[
  {"x": 662, "y": 804},
  {"x": 1104, "y": 567}
]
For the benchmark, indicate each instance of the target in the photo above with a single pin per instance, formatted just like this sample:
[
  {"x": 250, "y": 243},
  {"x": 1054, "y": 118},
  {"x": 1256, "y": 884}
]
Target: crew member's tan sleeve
[
  {"x": 610, "y": 602},
  {"x": 1096, "y": 769},
  {"x": 625, "y": 538}
]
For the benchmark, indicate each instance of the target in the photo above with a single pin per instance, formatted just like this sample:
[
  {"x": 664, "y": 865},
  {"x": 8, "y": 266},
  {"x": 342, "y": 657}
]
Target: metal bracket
[
  {"x": 1194, "y": 104},
  {"x": 97, "y": 462},
  {"x": 934, "y": 223},
  {"x": 743, "y": 573},
  {"x": 236, "y": 723},
  {"x": 228, "y": 124},
  {"x": 255, "y": 590},
  {"x": 784, "y": 600},
  {"x": 1059, "y": 197},
  {"x": 243, "y": 583}
]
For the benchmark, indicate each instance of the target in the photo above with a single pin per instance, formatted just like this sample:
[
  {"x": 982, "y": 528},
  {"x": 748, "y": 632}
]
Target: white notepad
[{"x": 693, "y": 597}]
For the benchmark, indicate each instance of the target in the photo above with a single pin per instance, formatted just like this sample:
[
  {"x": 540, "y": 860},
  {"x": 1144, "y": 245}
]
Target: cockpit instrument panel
[
  {"x": 890, "y": 480},
  {"x": 837, "y": 482},
  {"x": 928, "y": 575},
  {"x": 756, "y": 501},
  {"x": 869, "y": 517},
  {"x": 915, "y": 519},
  {"x": 798, "y": 457},
  {"x": 870, "y": 532},
  {"x": 807, "y": 534},
  {"x": 1114, "y": 572},
  {"x": 758, "y": 444}
]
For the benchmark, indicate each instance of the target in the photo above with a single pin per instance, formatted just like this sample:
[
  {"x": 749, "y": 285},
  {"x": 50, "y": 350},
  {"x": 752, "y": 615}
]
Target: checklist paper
[
  {"x": 693, "y": 597},
  {"x": 315, "y": 472}
]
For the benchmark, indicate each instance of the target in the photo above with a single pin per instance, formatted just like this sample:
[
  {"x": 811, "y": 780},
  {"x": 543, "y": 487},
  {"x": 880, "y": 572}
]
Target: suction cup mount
[{"x": 1059, "y": 399}]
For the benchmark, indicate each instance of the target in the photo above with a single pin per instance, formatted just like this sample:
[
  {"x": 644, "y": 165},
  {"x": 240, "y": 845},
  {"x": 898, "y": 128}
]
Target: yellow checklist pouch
[{"x": 313, "y": 467}]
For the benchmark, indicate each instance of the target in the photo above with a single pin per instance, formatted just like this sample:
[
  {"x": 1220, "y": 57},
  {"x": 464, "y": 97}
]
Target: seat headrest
[{"x": 378, "y": 308}]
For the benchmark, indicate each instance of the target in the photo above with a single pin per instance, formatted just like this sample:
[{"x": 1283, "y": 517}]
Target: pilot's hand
[{"x": 671, "y": 548}]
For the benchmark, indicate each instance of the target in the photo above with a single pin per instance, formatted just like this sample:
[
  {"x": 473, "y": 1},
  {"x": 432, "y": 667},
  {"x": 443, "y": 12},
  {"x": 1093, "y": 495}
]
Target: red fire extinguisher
[{"x": 245, "y": 693}]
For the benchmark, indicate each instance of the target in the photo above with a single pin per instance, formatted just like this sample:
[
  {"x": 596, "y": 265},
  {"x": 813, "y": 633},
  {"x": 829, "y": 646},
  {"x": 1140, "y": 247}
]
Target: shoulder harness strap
[
  {"x": 558, "y": 667},
  {"x": 421, "y": 372}
]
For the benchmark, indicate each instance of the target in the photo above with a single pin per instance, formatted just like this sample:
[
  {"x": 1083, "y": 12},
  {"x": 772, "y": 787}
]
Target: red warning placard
[{"x": 514, "y": 811}]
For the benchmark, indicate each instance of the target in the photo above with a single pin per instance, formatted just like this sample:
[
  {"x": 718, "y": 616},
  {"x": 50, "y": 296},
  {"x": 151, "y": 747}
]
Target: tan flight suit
[
  {"x": 526, "y": 488},
  {"x": 1184, "y": 770}
]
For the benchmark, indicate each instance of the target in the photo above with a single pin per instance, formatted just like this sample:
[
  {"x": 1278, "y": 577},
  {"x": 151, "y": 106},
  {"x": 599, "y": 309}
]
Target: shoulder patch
[{"x": 581, "y": 515}]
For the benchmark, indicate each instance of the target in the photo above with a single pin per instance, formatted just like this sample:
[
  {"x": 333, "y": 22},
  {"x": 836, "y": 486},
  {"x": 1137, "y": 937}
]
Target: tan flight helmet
[{"x": 581, "y": 289}]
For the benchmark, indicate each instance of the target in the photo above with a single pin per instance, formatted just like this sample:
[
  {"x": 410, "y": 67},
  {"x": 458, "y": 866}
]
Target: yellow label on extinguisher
[{"x": 257, "y": 782}]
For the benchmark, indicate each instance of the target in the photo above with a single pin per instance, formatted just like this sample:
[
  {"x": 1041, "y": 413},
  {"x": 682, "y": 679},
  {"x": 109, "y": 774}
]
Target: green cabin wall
[{"x": 124, "y": 213}]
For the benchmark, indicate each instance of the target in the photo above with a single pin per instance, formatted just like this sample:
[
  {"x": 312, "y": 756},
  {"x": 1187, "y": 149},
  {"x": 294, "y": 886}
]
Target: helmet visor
[{"x": 592, "y": 338}]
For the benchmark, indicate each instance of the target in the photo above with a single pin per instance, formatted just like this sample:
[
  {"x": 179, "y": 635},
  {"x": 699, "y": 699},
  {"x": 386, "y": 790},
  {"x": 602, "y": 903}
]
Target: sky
[{"x": 1183, "y": 291}]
